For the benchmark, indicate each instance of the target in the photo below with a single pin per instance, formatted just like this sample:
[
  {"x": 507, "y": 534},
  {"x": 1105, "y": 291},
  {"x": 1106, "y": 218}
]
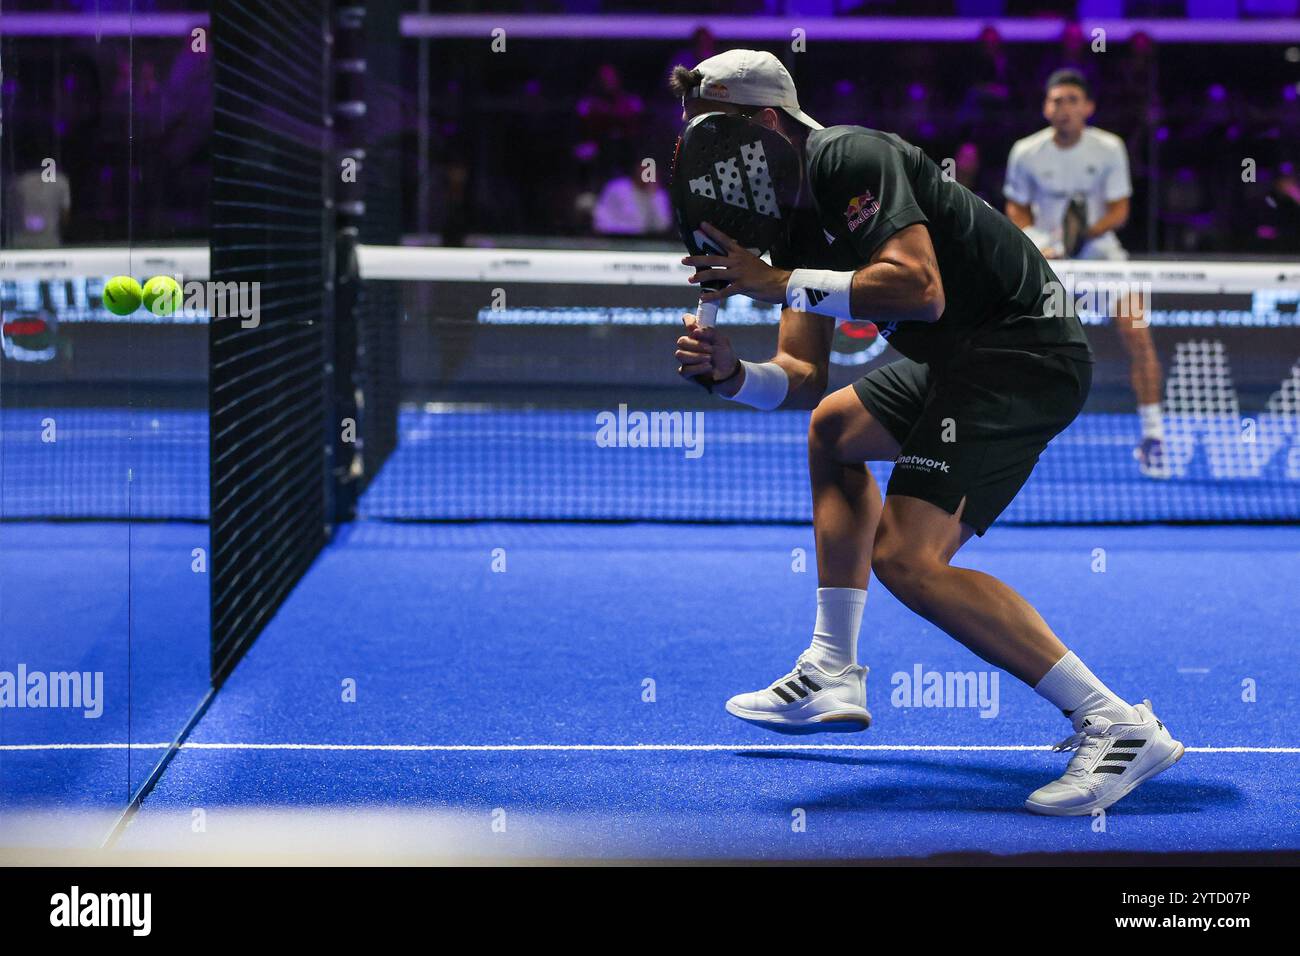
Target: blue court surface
[
  {"x": 556, "y": 690},
  {"x": 95, "y": 597}
]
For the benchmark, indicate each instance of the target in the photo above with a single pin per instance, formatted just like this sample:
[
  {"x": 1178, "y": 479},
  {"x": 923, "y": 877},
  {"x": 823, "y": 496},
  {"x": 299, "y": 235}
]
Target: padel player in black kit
[{"x": 987, "y": 377}]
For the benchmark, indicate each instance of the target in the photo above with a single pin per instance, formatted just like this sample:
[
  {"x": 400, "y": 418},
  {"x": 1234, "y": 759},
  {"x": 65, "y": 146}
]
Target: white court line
[
  {"x": 13, "y": 747},
  {"x": 509, "y": 748}
]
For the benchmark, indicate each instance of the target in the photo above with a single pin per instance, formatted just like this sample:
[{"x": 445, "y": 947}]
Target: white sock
[
  {"x": 1152, "y": 425},
  {"x": 1078, "y": 693},
  {"x": 835, "y": 636}
]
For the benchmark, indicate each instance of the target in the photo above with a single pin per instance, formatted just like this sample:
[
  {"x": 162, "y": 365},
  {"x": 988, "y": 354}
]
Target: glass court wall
[{"x": 104, "y": 583}]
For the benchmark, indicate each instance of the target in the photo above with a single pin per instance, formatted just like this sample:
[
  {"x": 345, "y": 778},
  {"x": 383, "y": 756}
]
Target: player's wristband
[
  {"x": 765, "y": 386},
  {"x": 820, "y": 291}
]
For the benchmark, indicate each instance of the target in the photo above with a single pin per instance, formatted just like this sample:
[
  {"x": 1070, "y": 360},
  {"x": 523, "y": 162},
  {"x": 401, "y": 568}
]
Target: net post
[{"x": 369, "y": 124}]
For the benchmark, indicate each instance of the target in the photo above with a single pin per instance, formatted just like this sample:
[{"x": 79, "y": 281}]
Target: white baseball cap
[{"x": 750, "y": 78}]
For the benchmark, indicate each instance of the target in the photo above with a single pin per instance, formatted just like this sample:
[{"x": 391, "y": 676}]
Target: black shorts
[{"x": 975, "y": 429}]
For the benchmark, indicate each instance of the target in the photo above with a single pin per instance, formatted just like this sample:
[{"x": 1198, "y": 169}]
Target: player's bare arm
[
  {"x": 803, "y": 353},
  {"x": 1115, "y": 217},
  {"x": 900, "y": 284},
  {"x": 1020, "y": 214}
]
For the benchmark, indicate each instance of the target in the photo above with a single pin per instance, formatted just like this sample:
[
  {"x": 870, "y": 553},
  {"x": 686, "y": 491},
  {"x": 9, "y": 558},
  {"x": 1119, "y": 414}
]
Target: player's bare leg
[
  {"x": 827, "y": 688},
  {"x": 914, "y": 544},
  {"x": 1117, "y": 746},
  {"x": 1147, "y": 379},
  {"x": 1145, "y": 373},
  {"x": 846, "y": 498}
]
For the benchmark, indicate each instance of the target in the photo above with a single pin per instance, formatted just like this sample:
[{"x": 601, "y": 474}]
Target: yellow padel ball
[
  {"x": 162, "y": 295},
  {"x": 122, "y": 295}
]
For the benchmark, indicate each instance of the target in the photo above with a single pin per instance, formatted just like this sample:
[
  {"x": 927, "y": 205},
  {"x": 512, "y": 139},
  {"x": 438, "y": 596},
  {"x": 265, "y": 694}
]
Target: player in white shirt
[
  {"x": 632, "y": 206},
  {"x": 1068, "y": 188}
]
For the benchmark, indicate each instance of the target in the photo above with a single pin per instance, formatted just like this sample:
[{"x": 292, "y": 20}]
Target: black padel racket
[
  {"x": 1074, "y": 226},
  {"x": 739, "y": 176}
]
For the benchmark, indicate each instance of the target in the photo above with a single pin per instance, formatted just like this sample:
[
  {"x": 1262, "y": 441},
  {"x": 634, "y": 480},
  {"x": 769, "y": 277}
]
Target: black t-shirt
[{"x": 867, "y": 185}]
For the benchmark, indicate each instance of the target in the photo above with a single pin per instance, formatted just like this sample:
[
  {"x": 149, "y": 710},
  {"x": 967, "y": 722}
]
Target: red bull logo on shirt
[{"x": 861, "y": 208}]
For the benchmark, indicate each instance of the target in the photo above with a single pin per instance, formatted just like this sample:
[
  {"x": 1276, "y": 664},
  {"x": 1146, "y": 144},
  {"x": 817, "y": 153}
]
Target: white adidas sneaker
[
  {"x": 1110, "y": 759},
  {"x": 808, "y": 700}
]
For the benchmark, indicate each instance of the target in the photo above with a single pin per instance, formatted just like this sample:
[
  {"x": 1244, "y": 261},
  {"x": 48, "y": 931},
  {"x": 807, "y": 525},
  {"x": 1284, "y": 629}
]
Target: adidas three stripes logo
[
  {"x": 1122, "y": 753},
  {"x": 793, "y": 690}
]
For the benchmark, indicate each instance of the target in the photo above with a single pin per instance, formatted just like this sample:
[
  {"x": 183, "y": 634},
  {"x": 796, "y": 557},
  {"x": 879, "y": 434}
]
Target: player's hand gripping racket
[{"x": 742, "y": 178}]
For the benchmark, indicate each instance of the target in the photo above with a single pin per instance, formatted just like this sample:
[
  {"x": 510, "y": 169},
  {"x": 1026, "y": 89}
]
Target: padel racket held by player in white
[{"x": 1074, "y": 226}]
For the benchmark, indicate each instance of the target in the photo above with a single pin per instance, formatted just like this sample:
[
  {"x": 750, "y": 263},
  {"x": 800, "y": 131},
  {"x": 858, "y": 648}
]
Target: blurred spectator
[
  {"x": 455, "y": 218},
  {"x": 970, "y": 172},
  {"x": 631, "y": 205},
  {"x": 1074, "y": 53},
  {"x": 1138, "y": 67},
  {"x": 918, "y": 114},
  {"x": 989, "y": 102},
  {"x": 531, "y": 189},
  {"x": 909, "y": 103},
  {"x": 38, "y": 209},
  {"x": 1284, "y": 198},
  {"x": 186, "y": 119},
  {"x": 1183, "y": 212},
  {"x": 703, "y": 45},
  {"x": 844, "y": 107},
  {"x": 990, "y": 78},
  {"x": 608, "y": 116},
  {"x": 1274, "y": 212},
  {"x": 148, "y": 126},
  {"x": 1135, "y": 97}
]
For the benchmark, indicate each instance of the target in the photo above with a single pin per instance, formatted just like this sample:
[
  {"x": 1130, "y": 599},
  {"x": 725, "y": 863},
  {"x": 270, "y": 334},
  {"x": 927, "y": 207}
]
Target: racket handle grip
[{"x": 706, "y": 315}]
